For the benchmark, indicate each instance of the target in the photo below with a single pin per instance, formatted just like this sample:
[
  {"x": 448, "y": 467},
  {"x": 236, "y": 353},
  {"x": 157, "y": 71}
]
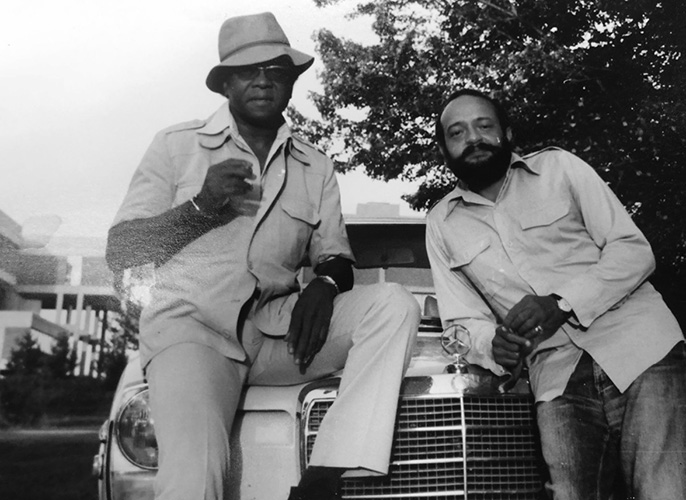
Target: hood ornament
[{"x": 456, "y": 342}]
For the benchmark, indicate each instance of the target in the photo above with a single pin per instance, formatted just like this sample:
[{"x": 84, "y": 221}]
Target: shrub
[
  {"x": 26, "y": 358},
  {"x": 23, "y": 398},
  {"x": 62, "y": 359},
  {"x": 39, "y": 387},
  {"x": 35, "y": 399}
]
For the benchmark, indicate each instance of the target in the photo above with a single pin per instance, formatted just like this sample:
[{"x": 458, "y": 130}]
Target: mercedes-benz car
[{"x": 458, "y": 435}]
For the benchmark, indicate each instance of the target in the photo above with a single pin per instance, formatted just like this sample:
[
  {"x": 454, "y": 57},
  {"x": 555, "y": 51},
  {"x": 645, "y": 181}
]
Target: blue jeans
[{"x": 593, "y": 436}]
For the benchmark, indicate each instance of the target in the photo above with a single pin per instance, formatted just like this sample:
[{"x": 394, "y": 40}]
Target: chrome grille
[{"x": 429, "y": 459}]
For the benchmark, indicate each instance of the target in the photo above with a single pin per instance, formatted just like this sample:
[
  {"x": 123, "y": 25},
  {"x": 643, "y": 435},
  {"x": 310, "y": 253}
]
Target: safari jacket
[
  {"x": 555, "y": 227},
  {"x": 198, "y": 294}
]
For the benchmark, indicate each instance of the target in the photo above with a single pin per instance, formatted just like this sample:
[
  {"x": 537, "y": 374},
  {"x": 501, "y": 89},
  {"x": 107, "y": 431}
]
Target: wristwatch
[{"x": 562, "y": 304}]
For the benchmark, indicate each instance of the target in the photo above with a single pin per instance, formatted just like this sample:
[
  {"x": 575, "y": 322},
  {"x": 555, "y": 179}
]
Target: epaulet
[
  {"x": 549, "y": 148},
  {"x": 304, "y": 142},
  {"x": 189, "y": 125}
]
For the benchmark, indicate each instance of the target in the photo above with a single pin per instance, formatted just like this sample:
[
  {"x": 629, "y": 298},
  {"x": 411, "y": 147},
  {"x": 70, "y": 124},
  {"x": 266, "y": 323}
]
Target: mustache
[{"x": 473, "y": 148}]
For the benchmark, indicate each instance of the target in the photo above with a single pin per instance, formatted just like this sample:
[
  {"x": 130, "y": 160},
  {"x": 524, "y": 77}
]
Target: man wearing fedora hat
[{"x": 228, "y": 210}]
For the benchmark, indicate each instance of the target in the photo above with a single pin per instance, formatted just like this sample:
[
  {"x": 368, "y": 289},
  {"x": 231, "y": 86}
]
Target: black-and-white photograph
[{"x": 343, "y": 250}]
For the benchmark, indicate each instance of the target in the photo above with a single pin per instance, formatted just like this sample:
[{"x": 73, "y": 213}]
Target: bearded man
[{"x": 539, "y": 260}]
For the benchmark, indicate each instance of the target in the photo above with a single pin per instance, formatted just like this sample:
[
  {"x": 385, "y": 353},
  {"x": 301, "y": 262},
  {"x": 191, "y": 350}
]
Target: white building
[{"x": 48, "y": 295}]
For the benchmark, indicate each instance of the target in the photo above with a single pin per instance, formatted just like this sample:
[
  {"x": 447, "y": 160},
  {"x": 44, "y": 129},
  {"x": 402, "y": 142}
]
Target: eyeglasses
[{"x": 277, "y": 74}]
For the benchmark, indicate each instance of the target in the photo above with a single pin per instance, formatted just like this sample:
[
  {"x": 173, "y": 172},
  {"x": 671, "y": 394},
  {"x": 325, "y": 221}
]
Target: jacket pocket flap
[
  {"x": 301, "y": 211},
  {"x": 545, "y": 215},
  {"x": 463, "y": 256}
]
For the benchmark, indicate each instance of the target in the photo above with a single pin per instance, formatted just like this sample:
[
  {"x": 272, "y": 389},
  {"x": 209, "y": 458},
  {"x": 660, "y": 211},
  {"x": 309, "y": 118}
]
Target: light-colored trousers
[{"x": 195, "y": 391}]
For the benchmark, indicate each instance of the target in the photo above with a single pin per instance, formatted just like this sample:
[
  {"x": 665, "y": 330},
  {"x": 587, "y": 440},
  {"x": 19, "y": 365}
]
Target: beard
[{"x": 478, "y": 174}]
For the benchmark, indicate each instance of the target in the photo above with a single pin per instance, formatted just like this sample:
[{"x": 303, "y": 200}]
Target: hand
[
  {"x": 535, "y": 317},
  {"x": 225, "y": 185},
  {"x": 310, "y": 321},
  {"x": 510, "y": 349}
]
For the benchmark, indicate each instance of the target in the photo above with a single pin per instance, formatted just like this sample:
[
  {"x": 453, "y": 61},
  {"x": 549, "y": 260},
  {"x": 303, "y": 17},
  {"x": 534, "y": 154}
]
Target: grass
[{"x": 47, "y": 464}]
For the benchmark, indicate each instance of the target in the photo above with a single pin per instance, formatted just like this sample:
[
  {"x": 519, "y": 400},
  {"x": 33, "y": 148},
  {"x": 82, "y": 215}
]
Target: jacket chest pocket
[
  {"x": 464, "y": 256},
  {"x": 545, "y": 215},
  {"x": 297, "y": 219},
  {"x": 549, "y": 228},
  {"x": 481, "y": 264}
]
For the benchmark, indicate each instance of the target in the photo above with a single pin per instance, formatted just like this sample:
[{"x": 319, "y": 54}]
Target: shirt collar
[
  {"x": 462, "y": 194},
  {"x": 221, "y": 126},
  {"x": 530, "y": 167},
  {"x": 296, "y": 148}
]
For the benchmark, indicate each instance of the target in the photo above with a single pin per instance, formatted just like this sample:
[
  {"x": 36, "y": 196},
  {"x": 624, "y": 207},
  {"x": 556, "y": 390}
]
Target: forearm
[{"x": 156, "y": 239}]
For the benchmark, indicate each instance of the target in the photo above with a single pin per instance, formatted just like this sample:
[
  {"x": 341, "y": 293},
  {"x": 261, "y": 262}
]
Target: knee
[{"x": 397, "y": 301}]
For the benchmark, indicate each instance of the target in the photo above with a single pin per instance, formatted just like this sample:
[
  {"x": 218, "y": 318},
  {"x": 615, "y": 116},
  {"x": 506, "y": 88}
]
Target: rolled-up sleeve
[{"x": 330, "y": 238}]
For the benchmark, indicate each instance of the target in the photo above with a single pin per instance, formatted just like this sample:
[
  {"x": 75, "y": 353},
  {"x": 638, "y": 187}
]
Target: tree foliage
[
  {"x": 603, "y": 79},
  {"x": 61, "y": 362},
  {"x": 37, "y": 385},
  {"x": 124, "y": 324},
  {"x": 26, "y": 357}
]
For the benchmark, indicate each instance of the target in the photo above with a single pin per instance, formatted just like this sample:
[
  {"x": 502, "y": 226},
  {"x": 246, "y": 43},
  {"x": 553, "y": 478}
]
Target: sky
[{"x": 85, "y": 85}]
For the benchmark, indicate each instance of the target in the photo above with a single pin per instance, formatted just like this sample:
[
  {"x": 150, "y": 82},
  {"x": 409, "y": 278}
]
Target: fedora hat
[{"x": 252, "y": 39}]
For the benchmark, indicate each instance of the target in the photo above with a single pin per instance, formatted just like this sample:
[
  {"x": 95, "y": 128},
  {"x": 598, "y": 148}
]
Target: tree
[
  {"x": 39, "y": 386},
  {"x": 26, "y": 358},
  {"x": 22, "y": 391},
  {"x": 602, "y": 79},
  {"x": 113, "y": 361},
  {"x": 61, "y": 362},
  {"x": 133, "y": 287}
]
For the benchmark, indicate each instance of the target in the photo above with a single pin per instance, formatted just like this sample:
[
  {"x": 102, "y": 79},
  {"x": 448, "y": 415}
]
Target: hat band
[{"x": 252, "y": 44}]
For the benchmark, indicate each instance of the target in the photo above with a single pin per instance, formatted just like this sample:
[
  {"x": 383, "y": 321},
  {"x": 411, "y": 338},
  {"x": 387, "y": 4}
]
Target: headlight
[{"x": 136, "y": 433}]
